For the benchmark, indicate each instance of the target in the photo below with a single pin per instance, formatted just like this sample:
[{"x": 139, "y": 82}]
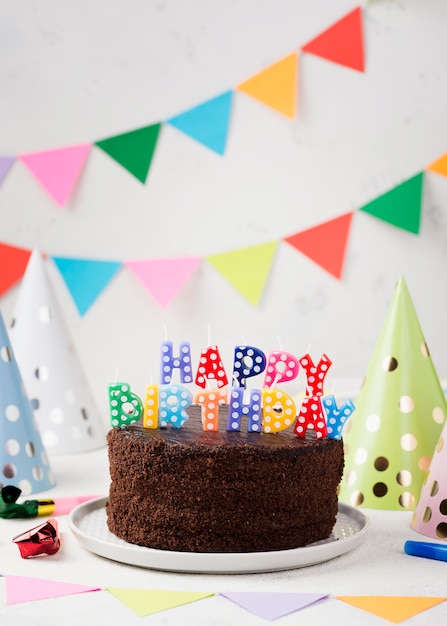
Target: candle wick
[
  {"x": 166, "y": 331},
  {"x": 116, "y": 375},
  {"x": 278, "y": 339},
  {"x": 209, "y": 333}
]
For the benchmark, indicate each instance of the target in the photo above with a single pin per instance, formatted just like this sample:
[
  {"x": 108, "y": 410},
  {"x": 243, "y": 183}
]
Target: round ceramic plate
[{"x": 88, "y": 522}]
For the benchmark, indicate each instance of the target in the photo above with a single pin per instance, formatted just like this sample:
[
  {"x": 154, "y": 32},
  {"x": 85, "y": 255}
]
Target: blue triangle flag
[
  {"x": 208, "y": 122},
  {"x": 85, "y": 278}
]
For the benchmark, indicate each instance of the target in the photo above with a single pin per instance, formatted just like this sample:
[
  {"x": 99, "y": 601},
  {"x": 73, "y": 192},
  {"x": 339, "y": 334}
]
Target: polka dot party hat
[
  {"x": 399, "y": 415},
  {"x": 23, "y": 460},
  {"x": 430, "y": 516},
  {"x": 61, "y": 398}
]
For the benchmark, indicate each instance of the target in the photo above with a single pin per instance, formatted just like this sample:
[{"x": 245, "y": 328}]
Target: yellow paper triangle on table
[
  {"x": 147, "y": 601},
  {"x": 275, "y": 86},
  {"x": 393, "y": 608}
]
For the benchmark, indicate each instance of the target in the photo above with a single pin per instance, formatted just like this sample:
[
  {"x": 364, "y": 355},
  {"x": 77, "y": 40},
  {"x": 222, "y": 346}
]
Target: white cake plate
[{"x": 88, "y": 522}]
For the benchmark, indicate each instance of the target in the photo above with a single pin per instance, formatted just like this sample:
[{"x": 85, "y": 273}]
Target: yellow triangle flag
[
  {"x": 393, "y": 608},
  {"x": 439, "y": 166},
  {"x": 276, "y": 86},
  {"x": 246, "y": 269},
  {"x": 147, "y": 601}
]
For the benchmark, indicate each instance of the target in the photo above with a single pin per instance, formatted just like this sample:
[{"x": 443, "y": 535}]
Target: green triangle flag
[
  {"x": 400, "y": 411},
  {"x": 133, "y": 150},
  {"x": 148, "y": 601},
  {"x": 401, "y": 206},
  {"x": 246, "y": 269}
]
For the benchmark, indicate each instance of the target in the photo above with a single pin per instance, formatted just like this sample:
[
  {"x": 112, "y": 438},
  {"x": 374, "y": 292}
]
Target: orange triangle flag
[
  {"x": 393, "y": 608},
  {"x": 342, "y": 42},
  {"x": 439, "y": 166},
  {"x": 325, "y": 244},
  {"x": 276, "y": 86},
  {"x": 13, "y": 262}
]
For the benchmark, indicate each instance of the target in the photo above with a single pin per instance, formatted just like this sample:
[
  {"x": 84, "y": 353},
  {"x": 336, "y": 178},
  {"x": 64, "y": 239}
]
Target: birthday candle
[
  {"x": 281, "y": 367},
  {"x": 125, "y": 407},
  {"x": 169, "y": 362},
  {"x": 238, "y": 408},
  {"x": 150, "y": 418},
  {"x": 248, "y": 361},
  {"x": 279, "y": 410},
  {"x": 173, "y": 400},
  {"x": 211, "y": 367},
  {"x": 210, "y": 400},
  {"x": 311, "y": 412},
  {"x": 336, "y": 417}
]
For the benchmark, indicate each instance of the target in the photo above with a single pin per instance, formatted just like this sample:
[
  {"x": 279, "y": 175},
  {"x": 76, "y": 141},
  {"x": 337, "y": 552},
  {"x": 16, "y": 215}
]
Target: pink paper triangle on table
[{"x": 25, "y": 589}]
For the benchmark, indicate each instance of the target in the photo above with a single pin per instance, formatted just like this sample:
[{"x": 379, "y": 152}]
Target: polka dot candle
[
  {"x": 23, "y": 459},
  {"x": 400, "y": 411}
]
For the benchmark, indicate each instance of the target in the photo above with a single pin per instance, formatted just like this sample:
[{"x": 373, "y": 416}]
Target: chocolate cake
[{"x": 189, "y": 490}]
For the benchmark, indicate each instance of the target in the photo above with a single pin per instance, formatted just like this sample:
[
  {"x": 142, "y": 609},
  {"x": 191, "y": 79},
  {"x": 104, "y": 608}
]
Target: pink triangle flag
[
  {"x": 163, "y": 278},
  {"x": 272, "y": 605},
  {"x": 57, "y": 170},
  {"x": 25, "y": 589}
]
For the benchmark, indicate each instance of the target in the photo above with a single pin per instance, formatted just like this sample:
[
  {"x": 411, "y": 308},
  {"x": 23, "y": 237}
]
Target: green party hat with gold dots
[{"x": 399, "y": 414}]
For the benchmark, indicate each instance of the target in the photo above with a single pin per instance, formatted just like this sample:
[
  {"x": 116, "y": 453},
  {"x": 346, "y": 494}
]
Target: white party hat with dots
[
  {"x": 399, "y": 414},
  {"x": 61, "y": 398},
  {"x": 430, "y": 516},
  {"x": 23, "y": 459}
]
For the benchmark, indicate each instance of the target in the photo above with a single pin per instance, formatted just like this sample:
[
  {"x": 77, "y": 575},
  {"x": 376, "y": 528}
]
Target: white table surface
[{"x": 378, "y": 566}]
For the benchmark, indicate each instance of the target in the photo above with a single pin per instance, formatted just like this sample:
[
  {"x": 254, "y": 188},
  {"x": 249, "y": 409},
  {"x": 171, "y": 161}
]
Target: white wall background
[{"x": 75, "y": 72}]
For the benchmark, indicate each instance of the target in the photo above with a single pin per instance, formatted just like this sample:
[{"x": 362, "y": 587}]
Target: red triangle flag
[
  {"x": 325, "y": 244},
  {"x": 342, "y": 42},
  {"x": 13, "y": 262}
]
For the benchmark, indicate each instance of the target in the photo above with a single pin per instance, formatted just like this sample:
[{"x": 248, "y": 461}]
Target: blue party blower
[{"x": 427, "y": 550}]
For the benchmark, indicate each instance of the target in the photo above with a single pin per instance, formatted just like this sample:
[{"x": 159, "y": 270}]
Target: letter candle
[
  {"x": 211, "y": 367},
  {"x": 311, "y": 412},
  {"x": 268, "y": 409}
]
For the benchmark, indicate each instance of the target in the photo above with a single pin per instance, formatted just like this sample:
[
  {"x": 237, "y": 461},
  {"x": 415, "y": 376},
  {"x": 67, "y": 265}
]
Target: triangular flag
[
  {"x": 276, "y": 86},
  {"x": 342, "y": 42},
  {"x": 133, "y": 150},
  {"x": 85, "y": 278},
  {"x": 148, "y": 601},
  {"x": 439, "y": 166},
  {"x": 13, "y": 262},
  {"x": 325, "y": 244},
  {"x": 57, "y": 170},
  {"x": 25, "y": 589},
  {"x": 163, "y": 278},
  {"x": 208, "y": 122},
  {"x": 5, "y": 165},
  {"x": 272, "y": 605},
  {"x": 246, "y": 269},
  {"x": 393, "y": 608},
  {"x": 401, "y": 206}
]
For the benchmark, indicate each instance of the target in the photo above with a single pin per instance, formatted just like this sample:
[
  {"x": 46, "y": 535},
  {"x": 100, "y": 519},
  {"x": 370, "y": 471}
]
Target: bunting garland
[
  {"x": 57, "y": 170},
  {"x": 246, "y": 269}
]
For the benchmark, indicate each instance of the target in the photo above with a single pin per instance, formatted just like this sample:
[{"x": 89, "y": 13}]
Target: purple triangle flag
[{"x": 272, "y": 605}]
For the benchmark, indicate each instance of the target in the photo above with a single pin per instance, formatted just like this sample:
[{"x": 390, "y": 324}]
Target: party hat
[
  {"x": 63, "y": 404},
  {"x": 399, "y": 414},
  {"x": 430, "y": 516},
  {"x": 23, "y": 459}
]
